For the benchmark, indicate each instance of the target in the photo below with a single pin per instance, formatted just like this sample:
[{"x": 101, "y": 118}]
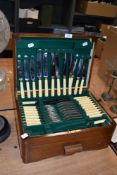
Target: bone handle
[
  {"x": 34, "y": 89},
  {"x": 76, "y": 87},
  {"x": 28, "y": 89},
  {"x": 81, "y": 86},
  {"x": 52, "y": 87},
  {"x": 46, "y": 87},
  {"x": 58, "y": 87},
  {"x": 40, "y": 88},
  {"x": 64, "y": 86},
  {"x": 22, "y": 89},
  {"x": 70, "y": 85}
]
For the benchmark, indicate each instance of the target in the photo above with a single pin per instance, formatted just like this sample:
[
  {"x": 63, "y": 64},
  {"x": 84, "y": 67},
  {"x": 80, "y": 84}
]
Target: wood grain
[{"x": 101, "y": 162}]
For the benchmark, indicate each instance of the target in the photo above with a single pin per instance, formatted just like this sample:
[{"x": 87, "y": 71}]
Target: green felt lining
[
  {"x": 49, "y": 127},
  {"x": 58, "y": 46},
  {"x": 28, "y": 50}
]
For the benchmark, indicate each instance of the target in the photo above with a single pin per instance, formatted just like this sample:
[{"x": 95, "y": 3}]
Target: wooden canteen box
[{"x": 56, "y": 113}]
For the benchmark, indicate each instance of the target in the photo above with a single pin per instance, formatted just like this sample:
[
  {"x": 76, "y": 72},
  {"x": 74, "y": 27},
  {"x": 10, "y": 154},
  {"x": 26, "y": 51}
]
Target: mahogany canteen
[{"x": 56, "y": 112}]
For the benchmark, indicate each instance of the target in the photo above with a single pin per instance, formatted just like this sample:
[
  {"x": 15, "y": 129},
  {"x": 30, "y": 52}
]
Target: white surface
[
  {"x": 24, "y": 136},
  {"x": 67, "y": 35},
  {"x": 85, "y": 44},
  {"x": 30, "y": 45}
]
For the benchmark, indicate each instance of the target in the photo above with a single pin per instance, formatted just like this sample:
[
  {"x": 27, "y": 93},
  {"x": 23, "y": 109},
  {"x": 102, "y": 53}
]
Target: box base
[{"x": 37, "y": 148}]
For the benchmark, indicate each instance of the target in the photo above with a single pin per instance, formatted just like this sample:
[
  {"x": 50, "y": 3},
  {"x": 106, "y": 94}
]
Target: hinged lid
[{"x": 53, "y": 63}]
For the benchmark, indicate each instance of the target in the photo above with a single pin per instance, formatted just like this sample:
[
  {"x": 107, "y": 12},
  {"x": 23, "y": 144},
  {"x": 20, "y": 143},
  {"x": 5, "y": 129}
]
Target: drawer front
[{"x": 41, "y": 151}]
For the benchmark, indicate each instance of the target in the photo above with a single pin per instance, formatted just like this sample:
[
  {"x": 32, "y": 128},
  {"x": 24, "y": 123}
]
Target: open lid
[{"x": 39, "y": 58}]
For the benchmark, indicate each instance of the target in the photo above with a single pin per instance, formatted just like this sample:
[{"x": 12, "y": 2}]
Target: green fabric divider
[
  {"x": 48, "y": 126},
  {"x": 53, "y": 43}
]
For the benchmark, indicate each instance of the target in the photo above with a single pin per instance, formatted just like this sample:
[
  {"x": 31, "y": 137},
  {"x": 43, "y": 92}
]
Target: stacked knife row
[
  {"x": 92, "y": 110},
  {"x": 50, "y": 74},
  {"x": 30, "y": 115}
]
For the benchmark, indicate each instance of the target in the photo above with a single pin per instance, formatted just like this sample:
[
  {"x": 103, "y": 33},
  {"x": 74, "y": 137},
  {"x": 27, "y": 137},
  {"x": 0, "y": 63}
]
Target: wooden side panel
[{"x": 38, "y": 148}]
